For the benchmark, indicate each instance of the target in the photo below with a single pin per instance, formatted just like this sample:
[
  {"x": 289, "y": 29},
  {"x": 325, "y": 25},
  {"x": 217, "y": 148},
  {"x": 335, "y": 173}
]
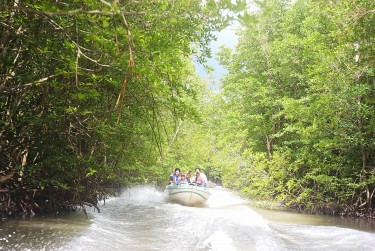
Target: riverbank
[{"x": 280, "y": 206}]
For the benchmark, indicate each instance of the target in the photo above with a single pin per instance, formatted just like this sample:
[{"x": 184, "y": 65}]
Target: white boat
[{"x": 189, "y": 195}]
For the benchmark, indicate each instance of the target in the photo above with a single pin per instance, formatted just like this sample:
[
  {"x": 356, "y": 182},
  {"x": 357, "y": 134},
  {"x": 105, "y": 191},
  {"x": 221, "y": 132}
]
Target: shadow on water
[{"x": 41, "y": 233}]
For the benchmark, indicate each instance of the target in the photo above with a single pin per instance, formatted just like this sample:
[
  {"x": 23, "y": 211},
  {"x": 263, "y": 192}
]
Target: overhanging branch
[
  {"x": 4, "y": 89},
  {"x": 66, "y": 13}
]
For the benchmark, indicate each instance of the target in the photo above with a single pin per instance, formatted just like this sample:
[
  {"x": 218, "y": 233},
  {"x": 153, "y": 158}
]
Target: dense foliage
[
  {"x": 96, "y": 95},
  {"x": 301, "y": 100},
  {"x": 92, "y": 93}
]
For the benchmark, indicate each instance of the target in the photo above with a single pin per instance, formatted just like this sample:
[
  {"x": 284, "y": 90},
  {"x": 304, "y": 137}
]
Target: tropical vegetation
[
  {"x": 300, "y": 99},
  {"x": 92, "y": 93},
  {"x": 96, "y": 95}
]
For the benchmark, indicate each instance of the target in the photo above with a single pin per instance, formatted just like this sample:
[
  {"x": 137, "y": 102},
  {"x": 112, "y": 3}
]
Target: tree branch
[
  {"x": 4, "y": 89},
  {"x": 66, "y": 13}
]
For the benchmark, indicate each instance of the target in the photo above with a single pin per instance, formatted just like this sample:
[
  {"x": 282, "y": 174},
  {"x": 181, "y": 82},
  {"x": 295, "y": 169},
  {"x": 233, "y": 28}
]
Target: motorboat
[{"x": 187, "y": 194}]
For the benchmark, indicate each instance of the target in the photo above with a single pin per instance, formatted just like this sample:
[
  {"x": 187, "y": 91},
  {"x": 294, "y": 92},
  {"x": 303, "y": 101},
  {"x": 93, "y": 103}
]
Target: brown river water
[{"x": 141, "y": 219}]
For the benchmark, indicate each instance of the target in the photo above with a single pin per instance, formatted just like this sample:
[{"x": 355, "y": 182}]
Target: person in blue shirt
[
  {"x": 183, "y": 180},
  {"x": 174, "y": 178}
]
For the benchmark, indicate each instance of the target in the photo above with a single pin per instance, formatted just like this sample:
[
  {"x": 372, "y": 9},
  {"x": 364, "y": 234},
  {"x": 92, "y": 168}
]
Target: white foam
[
  {"x": 143, "y": 193},
  {"x": 219, "y": 241}
]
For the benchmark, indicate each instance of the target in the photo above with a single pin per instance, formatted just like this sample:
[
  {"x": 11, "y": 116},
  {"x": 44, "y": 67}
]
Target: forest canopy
[
  {"x": 92, "y": 93},
  {"x": 299, "y": 98}
]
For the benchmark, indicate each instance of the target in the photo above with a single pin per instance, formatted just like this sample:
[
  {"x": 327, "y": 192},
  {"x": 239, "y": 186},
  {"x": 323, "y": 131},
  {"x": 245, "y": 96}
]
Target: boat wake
[
  {"x": 141, "y": 219},
  {"x": 219, "y": 241}
]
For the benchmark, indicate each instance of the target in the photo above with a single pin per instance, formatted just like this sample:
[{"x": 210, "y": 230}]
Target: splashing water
[{"x": 141, "y": 219}]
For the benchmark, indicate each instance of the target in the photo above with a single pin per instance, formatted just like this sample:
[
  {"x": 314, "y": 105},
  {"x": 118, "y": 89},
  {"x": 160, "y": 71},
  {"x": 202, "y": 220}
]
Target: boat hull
[{"x": 187, "y": 194}]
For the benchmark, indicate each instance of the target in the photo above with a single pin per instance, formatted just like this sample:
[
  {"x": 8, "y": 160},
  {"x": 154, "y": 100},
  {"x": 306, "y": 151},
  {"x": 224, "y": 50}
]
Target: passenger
[
  {"x": 200, "y": 178},
  {"x": 182, "y": 180},
  {"x": 188, "y": 176},
  {"x": 174, "y": 178}
]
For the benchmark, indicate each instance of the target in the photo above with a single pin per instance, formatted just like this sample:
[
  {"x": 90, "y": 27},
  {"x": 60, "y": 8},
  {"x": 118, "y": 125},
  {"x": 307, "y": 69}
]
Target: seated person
[
  {"x": 188, "y": 176},
  {"x": 200, "y": 178},
  {"x": 182, "y": 180},
  {"x": 174, "y": 178}
]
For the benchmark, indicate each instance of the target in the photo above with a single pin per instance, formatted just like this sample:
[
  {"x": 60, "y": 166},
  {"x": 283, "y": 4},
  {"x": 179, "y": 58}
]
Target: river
[{"x": 141, "y": 219}]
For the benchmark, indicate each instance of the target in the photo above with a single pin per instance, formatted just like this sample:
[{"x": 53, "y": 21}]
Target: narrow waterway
[{"x": 141, "y": 219}]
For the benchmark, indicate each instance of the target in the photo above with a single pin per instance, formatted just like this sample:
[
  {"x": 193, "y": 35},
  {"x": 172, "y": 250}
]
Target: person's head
[
  {"x": 197, "y": 170},
  {"x": 182, "y": 176},
  {"x": 177, "y": 171}
]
